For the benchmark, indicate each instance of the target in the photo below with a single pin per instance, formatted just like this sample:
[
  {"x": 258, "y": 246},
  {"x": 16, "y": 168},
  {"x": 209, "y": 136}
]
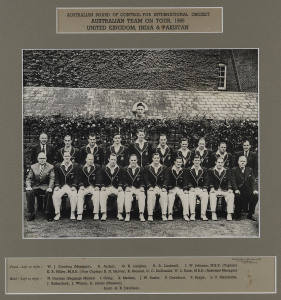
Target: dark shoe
[
  {"x": 31, "y": 217},
  {"x": 237, "y": 217},
  {"x": 251, "y": 217}
]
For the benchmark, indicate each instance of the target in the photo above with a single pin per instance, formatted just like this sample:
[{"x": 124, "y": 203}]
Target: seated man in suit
[
  {"x": 220, "y": 185},
  {"x": 203, "y": 153},
  {"x": 166, "y": 153},
  {"x": 92, "y": 148},
  {"x": 66, "y": 182},
  {"x": 185, "y": 153},
  {"x": 154, "y": 179},
  {"x": 243, "y": 183},
  {"x": 177, "y": 183},
  {"x": 119, "y": 150},
  {"x": 74, "y": 152},
  {"x": 134, "y": 185},
  {"x": 112, "y": 183},
  {"x": 43, "y": 146},
  {"x": 40, "y": 181},
  {"x": 89, "y": 183},
  {"x": 227, "y": 157},
  {"x": 198, "y": 183},
  {"x": 142, "y": 149}
]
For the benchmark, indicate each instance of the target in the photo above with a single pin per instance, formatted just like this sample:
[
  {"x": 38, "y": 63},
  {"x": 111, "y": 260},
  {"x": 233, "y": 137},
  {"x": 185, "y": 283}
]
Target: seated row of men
[
  {"x": 235, "y": 185},
  {"x": 144, "y": 150}
]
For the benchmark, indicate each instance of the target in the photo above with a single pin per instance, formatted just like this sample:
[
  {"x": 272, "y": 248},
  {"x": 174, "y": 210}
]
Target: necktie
[
  {"x": 246, "y": 153},
  {"x": 41, "y": 172},
  {"x": 43, "y": 148}
]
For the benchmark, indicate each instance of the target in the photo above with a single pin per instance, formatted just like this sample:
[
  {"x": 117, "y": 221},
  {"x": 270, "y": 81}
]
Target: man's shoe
[
  {"x": 186, "y": 218},
  {"x": 251, "y": 217},
  {"x": 229, "y": 217},
  {"x": 127, "y": 219},
  {"x": 170, "y": 217},
  {"x": 204, "y": 218},
  {"x": 72, "y": 216},
  {"x": 79, "y": 217},
  {"x": 120, "y": 217},
  {"x": 57, "y": 217},
  {"x": 31, "y": 217},
  {"x": 164, "y": 218},
  {"x": 142, "y": 219},
  {"x": 214, "y": 216},
  {"x": 103, "y": 217},
  {"x": 150, "y": 218},
  {"x": 192, "y": 217},
  {"x": 96, "y": 217}
]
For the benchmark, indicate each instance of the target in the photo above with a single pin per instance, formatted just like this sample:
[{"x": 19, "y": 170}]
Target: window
[{"x": 222, "y": 77}]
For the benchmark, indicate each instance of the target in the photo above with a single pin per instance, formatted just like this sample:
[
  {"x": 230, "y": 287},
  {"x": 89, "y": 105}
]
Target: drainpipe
[{"x": 235, "y": 71}]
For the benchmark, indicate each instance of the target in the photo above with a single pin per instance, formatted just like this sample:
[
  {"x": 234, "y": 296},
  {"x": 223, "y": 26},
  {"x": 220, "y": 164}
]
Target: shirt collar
[
  {"x": 110, "y": 167},
  {"x": 152, "y": 165},
  {"x": 137, "y": 166},
  {"x": 175, "y": 169},
  {"x": 159, "y": 147},
  {"x": 90, "y": 146},
  {"x": 197, "y": 149},
  {"x": 70, "y": 163},
  {"x": 183, "y": 150},
  {"x": 85, "y": 166},
  {"x": 221, "y": 155},
  {"x": 137, "y": 141},
  {"x": 198, "y": 168},
  {"x": 222, "y": 169}
]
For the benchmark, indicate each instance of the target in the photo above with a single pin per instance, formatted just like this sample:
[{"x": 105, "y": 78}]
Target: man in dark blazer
[
  {"x": 92, "y": 148},
  {"x": 203, "y": 153},
  {"x": 43, "y": 146},
  {"x": 119, "y": 150},
  {"x": 134, "y": 185},
  {"x": 227, "y": 157},
  {"x": 154, "y": 179},
  {"x": 74, "y": 152},
  {"x": 89, "y": 183},
  {"x": 198, "y": 183},
  {"x": 112, "y": 183},
  {"x": 40, "y": 181},
  {"x": 244, "y": 186},
  {"x": 185, "y": 153},
  {"x": 176, "y": 183},
  {"x": 167, "y": 156},
  {"x": 66, "y": 182}
]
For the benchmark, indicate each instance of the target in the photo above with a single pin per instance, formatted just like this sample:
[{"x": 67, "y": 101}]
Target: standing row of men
[{"x": 139, "y": 175}]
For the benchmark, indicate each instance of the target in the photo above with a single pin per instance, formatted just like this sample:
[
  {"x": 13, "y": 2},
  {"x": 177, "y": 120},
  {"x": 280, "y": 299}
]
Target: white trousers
[
  {"x": 57, "y": 195},
  {"x": 151, "y": 200},
  {"x": 229, "y": 199},
  {"x": 95, "y": 199},
  {"x": 111, "y": 190},
  {"x": 203, "y": 198},
  {"x": 183, "y": 197},
  {"x": 129, "y": 198}
]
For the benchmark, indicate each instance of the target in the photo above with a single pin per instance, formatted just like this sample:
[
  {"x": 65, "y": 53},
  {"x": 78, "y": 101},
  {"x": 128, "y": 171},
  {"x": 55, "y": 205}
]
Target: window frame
[{"x": 222, "y": 88}]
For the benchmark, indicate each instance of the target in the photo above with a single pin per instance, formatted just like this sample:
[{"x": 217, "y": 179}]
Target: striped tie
[{"x": 41, "y": 172}]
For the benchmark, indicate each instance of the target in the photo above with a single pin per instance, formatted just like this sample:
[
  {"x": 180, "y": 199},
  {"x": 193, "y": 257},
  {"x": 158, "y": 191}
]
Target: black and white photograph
[{"x": 140, "y": 143}]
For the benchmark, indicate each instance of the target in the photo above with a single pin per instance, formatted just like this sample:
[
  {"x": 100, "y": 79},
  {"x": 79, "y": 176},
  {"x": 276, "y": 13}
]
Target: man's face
[
  {"x": 90, "y": 160},
  {"x": 92, "y": 140},
  {"x": 140, "y": 110},
  {"x": 201, "y": 145},
  {"x": 184, "y": 145},
  {"x": 117, "y": 139},
  {"x": 163, "y": 140},
  {"x": 219, "y": 163},
  {"x": 141, "y": 135},
  {"x": 66, "y": 157},
  {"x": 133, "y": 161},
  {"x": 43, "y": 139},
  {"x": 246, "y": 146},
  {"x": 67, "y": 141},
  {"x": 112, "y": 161},
  {"x": 156, "y": 159},
  {"x": 242, "y": 161},
  {"x": 42, "y": 158},
  {"x": 196, "y": 162},
  {"x": 222, "y": 148},
  {"x": 178, "y": 163}
]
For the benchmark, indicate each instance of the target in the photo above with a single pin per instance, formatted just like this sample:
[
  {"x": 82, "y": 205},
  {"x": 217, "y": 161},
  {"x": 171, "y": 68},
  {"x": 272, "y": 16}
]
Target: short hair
[
  {"x": 140, "y": 130},
  {"x": 92, "y": 135},
  {"x": 218, "y": 157},
  {"x": 90, "y": 154},
  {"x": 65, "y": 152},
  {"x": 201, "y": 139},
  {"x": 116, "y": 133},
  {"x": 113, "y": 155},
  {"x": 154, "y": 154},
  {"x": 140, "y": 104},
  {"x": 184, "y": 140},
  {"x": 196, "y": 156},
  {"x": 246, "y": 141},
  {"x": 163, "y": 134},
  {"x": 43, "y": 133},
  {"x": 222, "y": 142},
  {"x": 40, "y": 153},
  {"x": 133, "y": 155},
  {"x": 68, "y": 135},
  {"x": 243, "y": 157},
  {"x": 179, "y": 157}
]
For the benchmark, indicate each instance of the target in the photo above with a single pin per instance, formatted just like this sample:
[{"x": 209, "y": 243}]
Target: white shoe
[
  {"x": 127, "y": 219},
  {"x": 204, "y": 218},
  {"x": 79, "y": 217},
  {"x": 142, "y": 219},
  {"x": 150, "y": 218},
  {"x": 103, "y": 217},
  {"x": 186, "y": 218},
  {"x": 72, "y": 216},
  {"x": 57, "y": 217},
  {"x": 192, "y": 217},
  {"x": 170, "y": 217},
  {"x": 229, "y": 217},
  {"x": 214, "y": 216},
  {"x": 164, "y": 218},
  {"x": 96, "y": 217},
  {"x": 120, "y": 217}
]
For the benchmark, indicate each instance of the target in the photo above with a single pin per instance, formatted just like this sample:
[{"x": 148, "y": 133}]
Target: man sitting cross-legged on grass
[
  {"x": 134, "y": 185},
  {"x": 89, "y": 183}
]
